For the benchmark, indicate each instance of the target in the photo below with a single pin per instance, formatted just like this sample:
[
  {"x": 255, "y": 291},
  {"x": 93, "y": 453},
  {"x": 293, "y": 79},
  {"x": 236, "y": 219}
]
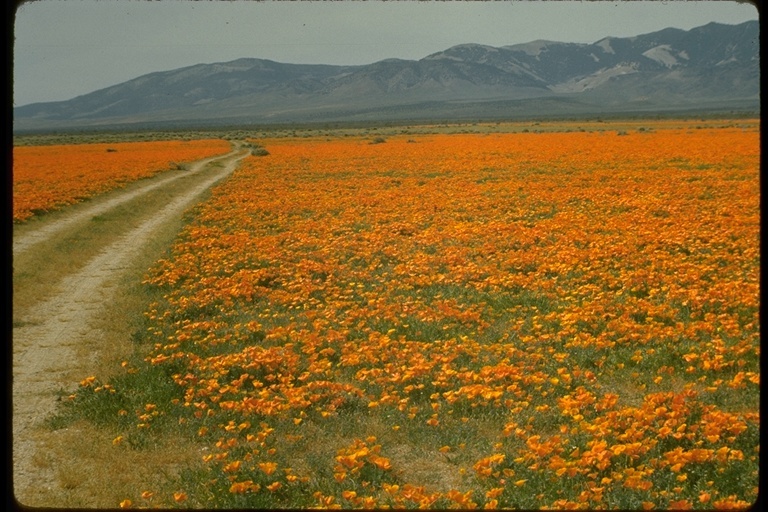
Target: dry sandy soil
[{"x": 53, "y": 336}]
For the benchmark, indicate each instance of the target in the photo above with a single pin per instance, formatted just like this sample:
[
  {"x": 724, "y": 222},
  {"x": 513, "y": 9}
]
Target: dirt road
[{"x": 49, "y": 335}]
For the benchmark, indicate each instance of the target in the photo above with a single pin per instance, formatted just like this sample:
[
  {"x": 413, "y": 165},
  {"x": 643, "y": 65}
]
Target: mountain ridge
[{"x": 668, "y": 69}]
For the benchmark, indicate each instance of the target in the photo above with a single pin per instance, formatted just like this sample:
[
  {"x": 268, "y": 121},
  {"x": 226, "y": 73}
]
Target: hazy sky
[{"x": 65, "y": 48}]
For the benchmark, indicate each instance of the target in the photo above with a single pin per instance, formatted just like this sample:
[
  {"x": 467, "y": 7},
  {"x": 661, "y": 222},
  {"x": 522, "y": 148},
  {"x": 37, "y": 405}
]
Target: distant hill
[{"x": 712, "y": 66}]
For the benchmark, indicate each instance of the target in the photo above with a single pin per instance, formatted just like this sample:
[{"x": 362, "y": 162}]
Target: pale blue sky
[{"x": 65, "y": 48}]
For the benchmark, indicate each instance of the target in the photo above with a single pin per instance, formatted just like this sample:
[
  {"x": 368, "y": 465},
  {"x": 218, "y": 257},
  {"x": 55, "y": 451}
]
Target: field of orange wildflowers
[
  {"x": 48, "y": 177},
  {"x": 558, "y": 320}
]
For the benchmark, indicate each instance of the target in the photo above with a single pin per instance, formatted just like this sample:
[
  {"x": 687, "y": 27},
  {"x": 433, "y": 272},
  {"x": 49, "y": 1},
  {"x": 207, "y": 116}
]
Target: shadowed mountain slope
[{"x": 706, "y": 67}]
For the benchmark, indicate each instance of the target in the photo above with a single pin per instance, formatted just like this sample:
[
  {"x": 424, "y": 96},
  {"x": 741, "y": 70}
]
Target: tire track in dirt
[
  {"x": 44, "y": 345},
  {"x": 27, "y": 241}
]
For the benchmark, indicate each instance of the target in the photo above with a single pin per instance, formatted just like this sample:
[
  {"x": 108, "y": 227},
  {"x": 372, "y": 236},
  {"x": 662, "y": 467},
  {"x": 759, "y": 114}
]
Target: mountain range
[{"x": 714, "y": 66}]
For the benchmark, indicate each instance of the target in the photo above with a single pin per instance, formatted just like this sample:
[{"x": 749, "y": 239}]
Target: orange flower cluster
[
  {"x": 595, "y": 297},
  {"x": 353, "y": 459},
  {"x": 48, "y": 177}
]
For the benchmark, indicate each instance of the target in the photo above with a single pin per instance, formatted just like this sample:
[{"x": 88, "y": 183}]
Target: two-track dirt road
[{"x": 57, "y": 323}]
